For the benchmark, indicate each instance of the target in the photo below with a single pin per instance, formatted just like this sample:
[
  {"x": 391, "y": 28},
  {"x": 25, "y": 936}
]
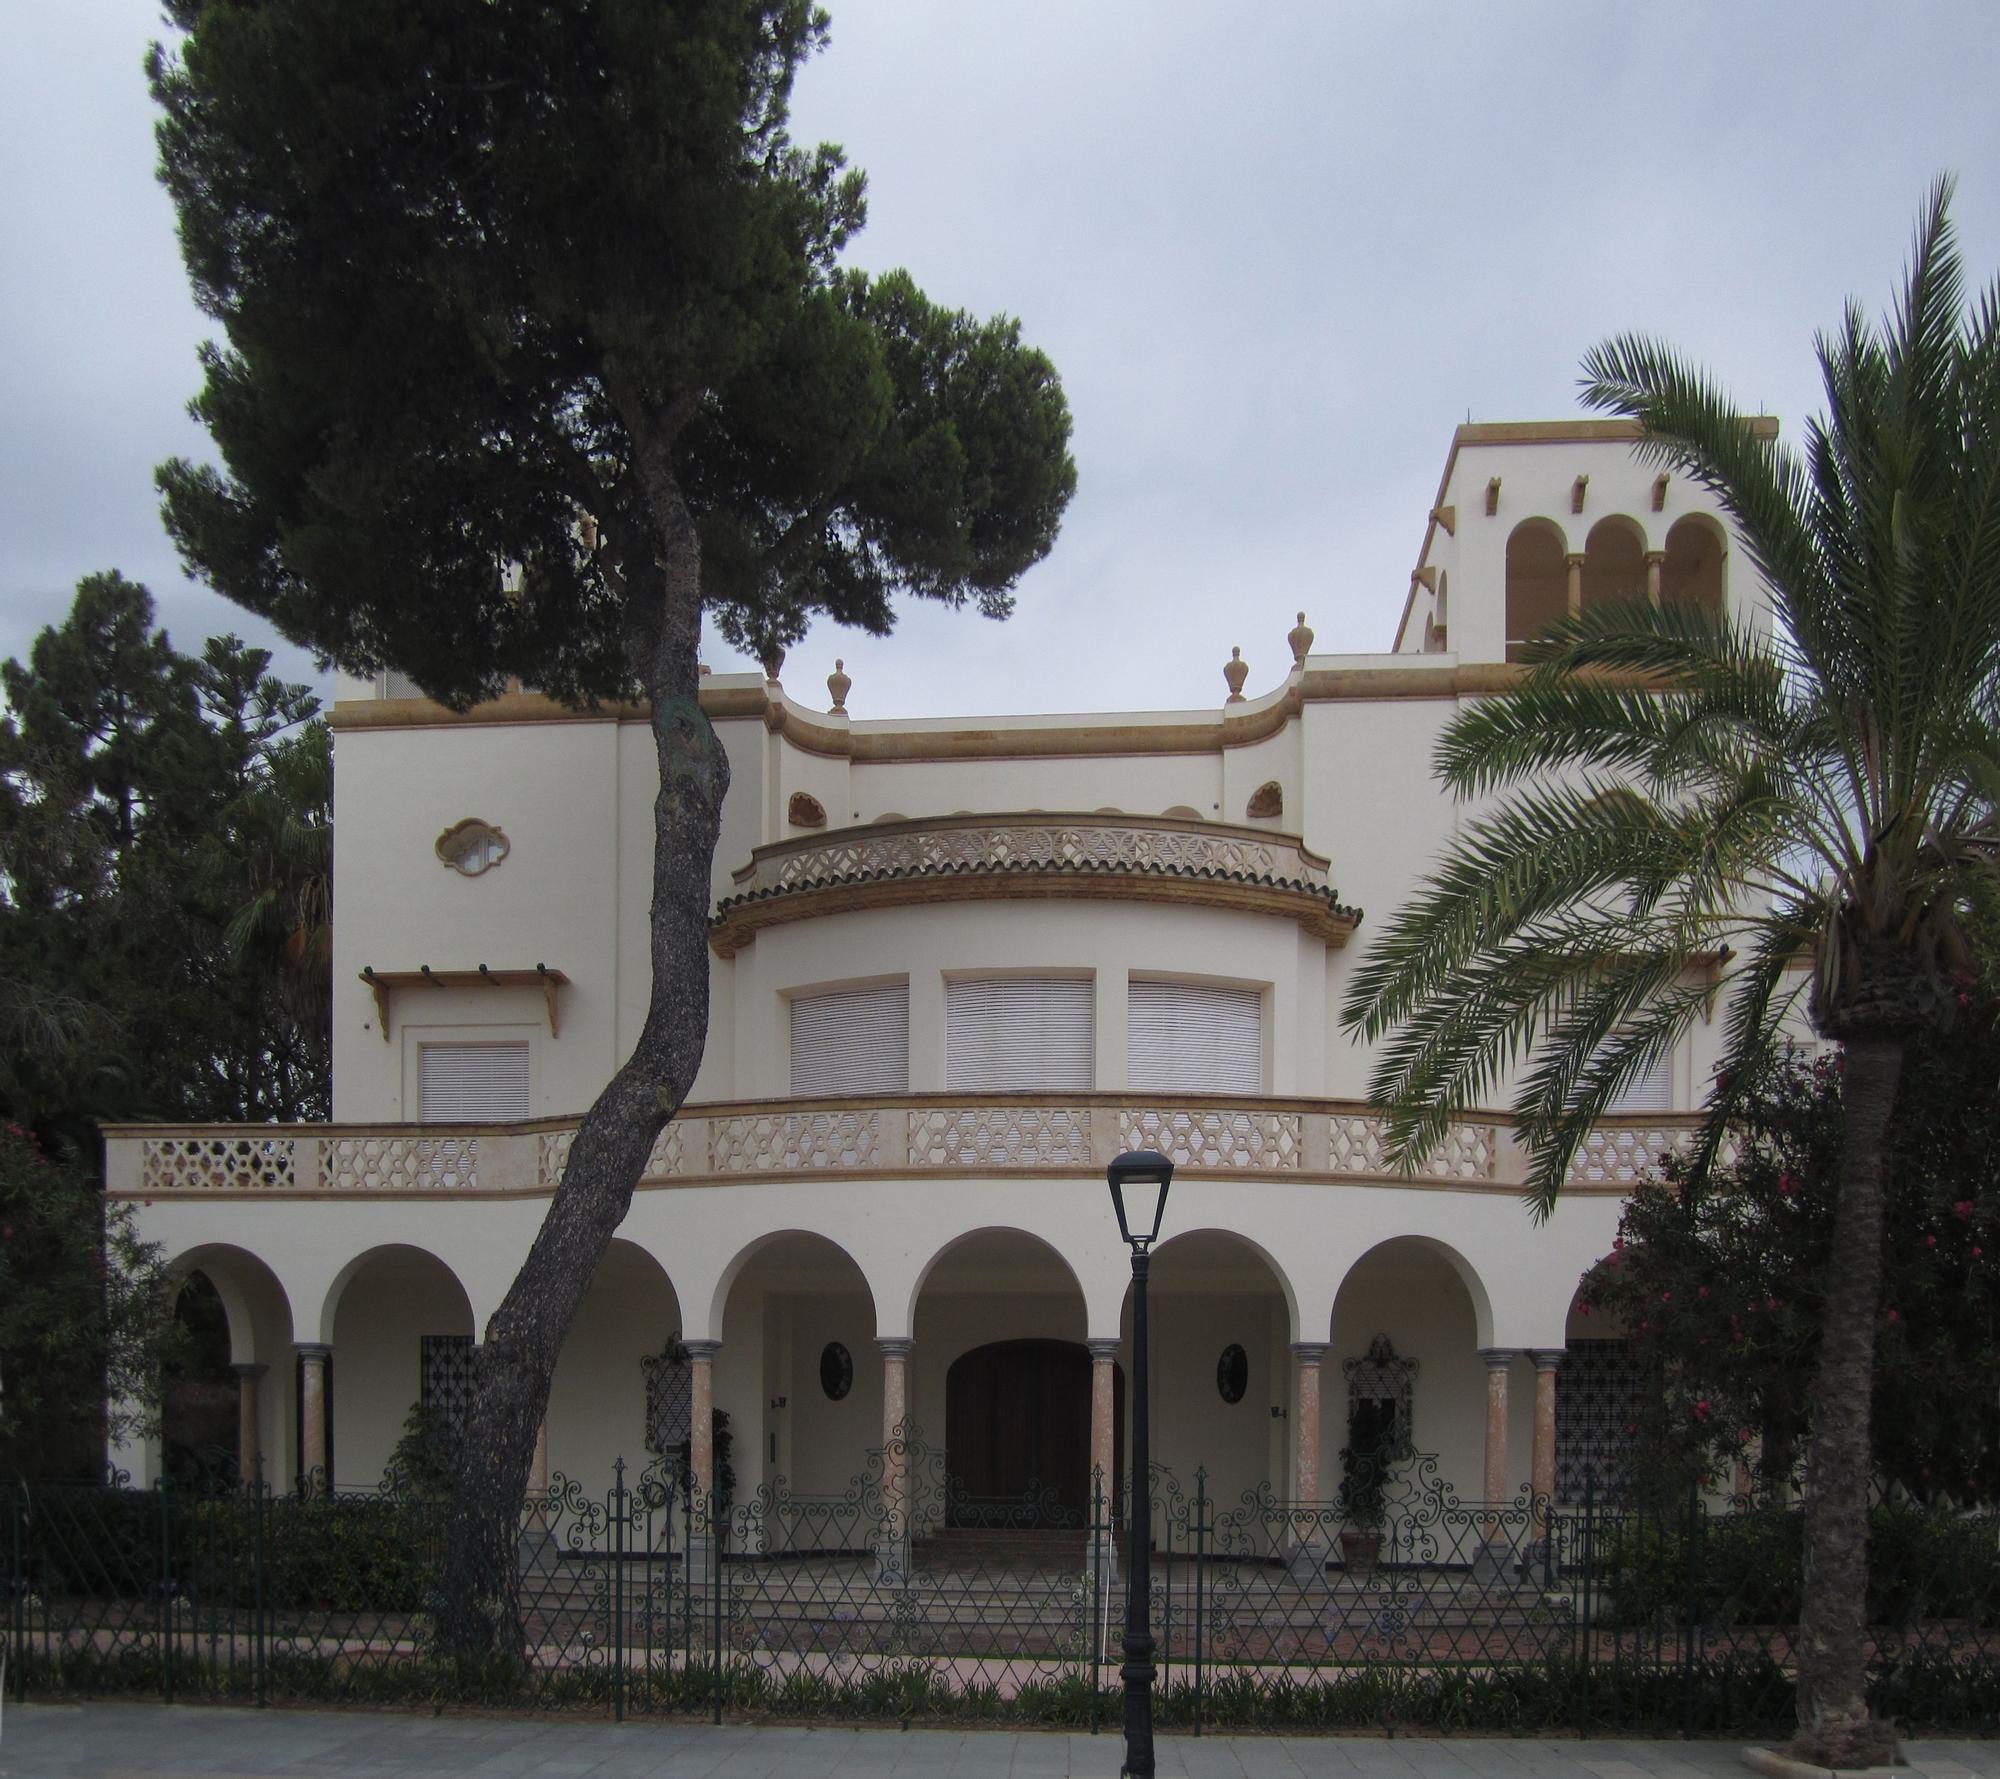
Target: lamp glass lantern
[{"x": 1144, "y": 1174}]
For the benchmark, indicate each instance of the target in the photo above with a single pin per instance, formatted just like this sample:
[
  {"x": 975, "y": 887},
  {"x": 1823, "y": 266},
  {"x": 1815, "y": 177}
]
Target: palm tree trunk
[{"x": 1835, "y": 1729}]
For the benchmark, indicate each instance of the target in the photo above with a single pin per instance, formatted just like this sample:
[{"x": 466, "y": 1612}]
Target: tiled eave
[{"x": 738, "y": 919}]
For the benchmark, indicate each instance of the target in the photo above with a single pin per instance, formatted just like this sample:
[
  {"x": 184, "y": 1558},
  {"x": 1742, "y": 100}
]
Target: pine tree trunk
[
  {"x": 1834, "y": 1725},
  {"x": 480, "y": 1614}
]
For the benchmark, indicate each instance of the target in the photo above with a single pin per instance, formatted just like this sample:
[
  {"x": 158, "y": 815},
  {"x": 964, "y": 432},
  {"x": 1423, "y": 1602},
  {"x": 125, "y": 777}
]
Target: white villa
[{"x": 957, "y": 966}]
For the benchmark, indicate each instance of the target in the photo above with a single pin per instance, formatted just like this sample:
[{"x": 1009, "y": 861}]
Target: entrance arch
[{"x": 1017, "y": 1434}]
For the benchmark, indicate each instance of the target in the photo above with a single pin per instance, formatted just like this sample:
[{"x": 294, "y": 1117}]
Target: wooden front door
[{"x": 1017, "y": 1434}]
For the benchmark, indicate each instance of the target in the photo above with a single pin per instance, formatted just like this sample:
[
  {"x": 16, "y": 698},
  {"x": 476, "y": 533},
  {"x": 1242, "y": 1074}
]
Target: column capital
[
  {"x": 1499, "y": 1358},
  {"x": 249, "y": 1368},
  {"x": 895, "y": 1346},
  {"x": 1546, "y": 1358},
  {"x": 1104, "y": 1346},
  {"x": 1656, "y": 556},
  {"x": 313, "y": 1352},
  {"x": 1309, "y": 1352},
  {"x": 701, "y": 1351},
  {"x": 1574, "y": 559}
]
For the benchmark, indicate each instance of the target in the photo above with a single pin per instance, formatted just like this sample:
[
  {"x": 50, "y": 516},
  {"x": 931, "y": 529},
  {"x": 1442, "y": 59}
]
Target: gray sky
[{"x": 1277, "y": 252}]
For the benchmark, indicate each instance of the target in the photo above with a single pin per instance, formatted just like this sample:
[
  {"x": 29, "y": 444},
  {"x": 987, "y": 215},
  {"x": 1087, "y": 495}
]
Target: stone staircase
[{"x": 960, "y": 1550}]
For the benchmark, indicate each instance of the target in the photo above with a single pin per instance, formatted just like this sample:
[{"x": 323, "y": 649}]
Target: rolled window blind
[
  {"x": 1194, "y": 1037},
  {"x": 852, "y": 1041},
  {"x": 472, "y": 1083},
  {"x": 1019, "y": 1034}
]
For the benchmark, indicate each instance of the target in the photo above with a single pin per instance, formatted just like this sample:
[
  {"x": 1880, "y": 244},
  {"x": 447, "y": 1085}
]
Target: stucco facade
[{"x": 1228, "y": 862}]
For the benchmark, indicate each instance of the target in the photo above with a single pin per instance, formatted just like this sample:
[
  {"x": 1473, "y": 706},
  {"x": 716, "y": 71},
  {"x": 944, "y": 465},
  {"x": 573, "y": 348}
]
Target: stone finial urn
[
  {"x": 1301, "y": 639},
  {"x": 773, "y": 662},
  {"x": 1235, "y": 670},
  {"x": 838, "y": 684}
]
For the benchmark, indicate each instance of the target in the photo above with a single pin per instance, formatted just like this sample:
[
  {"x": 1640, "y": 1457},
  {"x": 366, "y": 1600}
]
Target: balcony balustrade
[
  {"x": 915, "y": 1136},
  {"x": 1076, "y": 857}
]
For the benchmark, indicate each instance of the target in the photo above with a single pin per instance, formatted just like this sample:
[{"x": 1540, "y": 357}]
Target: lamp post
[{"x": 1148, "y": 1174}]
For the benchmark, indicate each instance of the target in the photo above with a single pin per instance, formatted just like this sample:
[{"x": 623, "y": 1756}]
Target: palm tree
[{"x": 1666, "y": 788}]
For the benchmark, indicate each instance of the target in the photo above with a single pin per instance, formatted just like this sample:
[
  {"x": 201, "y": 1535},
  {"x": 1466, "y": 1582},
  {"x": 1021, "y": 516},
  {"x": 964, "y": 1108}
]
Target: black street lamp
[{"x": 1148, "y": 1173}]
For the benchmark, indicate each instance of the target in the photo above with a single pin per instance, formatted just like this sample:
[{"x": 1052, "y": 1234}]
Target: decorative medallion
[
  {"x": 805, "y": 811},
  {"x": 836, "y": 1371},
  {"x": 1232, "y": 1373},
  {"x": 472, "y": 846},
  {"x": 1267, "y": 801},
  {"x": 1381, "y": 1397}
]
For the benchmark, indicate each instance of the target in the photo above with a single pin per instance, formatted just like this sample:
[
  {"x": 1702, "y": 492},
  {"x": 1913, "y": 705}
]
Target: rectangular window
[
  {"x": 445, "y": 1379},
  {"x": 1651, "y": 1092},
  {"x": 472, "y": 1083},
  {"x": 1019, "y": 1034},
  {"x": 852, "y": 1041},
  {"x": 1194, "y": 1037}
]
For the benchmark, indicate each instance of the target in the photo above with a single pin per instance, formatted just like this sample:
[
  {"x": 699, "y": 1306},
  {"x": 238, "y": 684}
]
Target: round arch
[
  {"x": 1017, "y": 1257},
  {"x": 1227, "y": 1259},
  {"x": 402, "y": 1254},
  {"x": 1691, "y": 571},
  {"x": 253, "y": 1298},
  {"x": 1537, "y": 580},
  {"x": 795, "y": 1253},
  {"x": 1614, "y": 562},
  {"x": 1459, "y": 1264}
]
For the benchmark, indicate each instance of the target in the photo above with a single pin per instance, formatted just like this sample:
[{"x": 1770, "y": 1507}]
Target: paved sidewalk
[{"x": 116, "y": 1741}]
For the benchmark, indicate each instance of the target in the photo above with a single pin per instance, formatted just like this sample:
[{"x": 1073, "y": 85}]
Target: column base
[
  {"x": 1306, "y": 1565},
  {"x": 1493, "y": 1563},
  {"x": 1100, "y": 1560},
  {"x": 702, "y": 1561}
]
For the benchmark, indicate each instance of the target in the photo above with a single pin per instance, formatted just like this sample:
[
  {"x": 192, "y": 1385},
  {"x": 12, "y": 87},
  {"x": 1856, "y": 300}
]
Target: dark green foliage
[
  {"x": 471, "y": 272},
  {"x": 84, "y": 1307},
  {"x": 1721, "y": 1284},
  {"x": 164, "y": 847}
]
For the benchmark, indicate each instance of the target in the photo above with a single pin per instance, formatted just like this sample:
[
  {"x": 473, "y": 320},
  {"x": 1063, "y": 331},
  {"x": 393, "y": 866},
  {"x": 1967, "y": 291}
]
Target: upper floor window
[
  {"x": 1019, "y": 1034},
  {"x": 1652, "y": 1091},
  {"x": 1692, "y": 570},
  {"x": 472, "y": 1083},
  {"x": 852, "y": 1041},
  {"x": 1537, "y": 582},
  {"x": 1194, "y": 1037}
]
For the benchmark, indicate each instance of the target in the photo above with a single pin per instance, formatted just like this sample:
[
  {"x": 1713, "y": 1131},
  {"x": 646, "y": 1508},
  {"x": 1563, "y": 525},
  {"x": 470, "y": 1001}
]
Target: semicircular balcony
[{"x": 1126, "y": 858}]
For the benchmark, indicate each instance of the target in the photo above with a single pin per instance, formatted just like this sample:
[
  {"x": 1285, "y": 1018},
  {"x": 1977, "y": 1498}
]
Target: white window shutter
[
  {"x": 1652, "y": 1091},
  {"x": 852, "y": 1041},
  {"x": 1019, "y": 1034},
  {"x": 1194, "y": 1037},
  {"x": 472, "y": 1083}
]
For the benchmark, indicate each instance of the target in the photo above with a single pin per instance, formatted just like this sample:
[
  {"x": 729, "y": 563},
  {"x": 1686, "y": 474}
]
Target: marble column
[
  {"x": 702, "y": 1515},
  {"x": 892, "y": 1548},
  {"x": 1574, "y": 563},
  {"x": 1655, "y": 561},
  {"x": 249, "y": 1442},
  {"x": 1104, "y": 1453},
  {"x": 537, "y": 1547},
  {"x": 1491, "y": 1562},
  {"x": 1547, "y": 1360},
  {"x": 313, "y": 1408},
  {"x": 1309, "y": 1543}
]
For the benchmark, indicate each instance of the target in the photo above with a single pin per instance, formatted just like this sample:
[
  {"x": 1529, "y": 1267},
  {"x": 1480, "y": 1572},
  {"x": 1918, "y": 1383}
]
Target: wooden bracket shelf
[{"x": 386, "y": 982}]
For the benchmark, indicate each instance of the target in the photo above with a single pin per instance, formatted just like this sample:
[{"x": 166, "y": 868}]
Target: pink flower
[
  {"x": 1963, "y": 1210},
  {"x": 1785, "y": 1185},
  {"x": 1743, "y": 1435},
  {"x": 1930, "y": 1241},
  {"x": 1666, "y": 1297},
  {"x": 1701, "y": 1409},
  {"x": 1701, "y": 1291},
  {"x": 1976, "y": 1252},
  {"x": 1892, "y": 1316}
]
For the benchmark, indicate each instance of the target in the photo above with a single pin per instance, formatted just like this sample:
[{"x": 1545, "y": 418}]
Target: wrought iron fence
[{"x": 903, "y": 1597}]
